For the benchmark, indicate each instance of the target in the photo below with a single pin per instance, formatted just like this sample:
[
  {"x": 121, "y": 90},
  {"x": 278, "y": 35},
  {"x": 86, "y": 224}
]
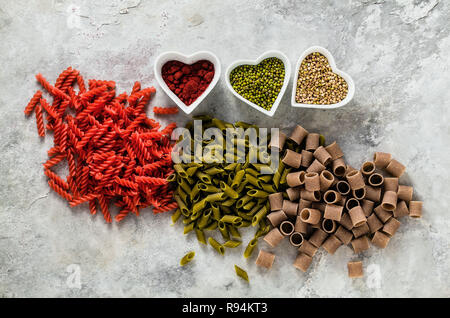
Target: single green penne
[
  {"x": 184, "y": 185},
  {"x": 188, "y": 228},
  {"x": 230, "y": 178},
  {"x": 255, "y": 209},
  {"x": 245, "y": 216},
  {"x": 268, "y": 187},
  {"x": 200, "y": 236},
  {"x": 260, "y": 166},
  {"x": 187, "y": 220},
  {"x": 247, "y": 162},
  {"x": 183, "y": 195},
  {"x": 195, "y": 191},
  {"x": 230, "y": 219},
  {"x": 208, "y": 188},
  {"x": 225, "y": 209},
  {"x": 213, "y": 171},
  {"x": 242, "y": 201},
  {"x": 241, "y": 186},
  {"x": 191, "y": 171},
  {"x": 187, "y": 258},
  {"x": 223, "y": 230},
  {"x": 228, "y": 202},
  {"x": 219, "y": 196},
  {"x": 253, "y": 172},
  {"x": 252, "y": 180},
  {"x": 172, "y": 178},
  {"x": 258, "y": 216},
  {"x": 199, "y": 206},
  {"x": 204, "y": 219},
  {"x": 250, "y": 247},
  {"x": 283, "y": 179},
  {"x": 212, "y": 226},
  {"x": 255, "y": 193},
  {"x": 195, "y": 216},
  {"x": 245, "y": 223},
  {"x": 228, "y": 190},
  {"x": 232, "y": 244},
  {"x": 266, "y": 178},
  {"x": 238, "y": 168},
  {"x": 234, "y": 231},
  {"x": 230, "y": 166},
  {"x": 237, "y": 179},
  {"x": 203, "y": 177},
  {"x": 249, "y": 205},
  {"x": 241, "y": 273},
  {"x": 322, "y": 140},
  {"x": 216, "y": 215},
  {"x": 180, "y": 170},
  {"x": 181, "y": 205},
  {"x": 176, "y": 215},
  {"x": 216, "y": 245}
]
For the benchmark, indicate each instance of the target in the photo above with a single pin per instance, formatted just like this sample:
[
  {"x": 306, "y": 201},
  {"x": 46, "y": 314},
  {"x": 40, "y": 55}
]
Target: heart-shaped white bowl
[
  {"x": 345, "y": 76},
  {"x": 187, "y": 59},
  {"x": 287, "y": 75}
]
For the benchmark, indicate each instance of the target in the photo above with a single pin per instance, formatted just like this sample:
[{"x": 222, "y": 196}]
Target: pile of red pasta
[{"x": 114, "y": 152}]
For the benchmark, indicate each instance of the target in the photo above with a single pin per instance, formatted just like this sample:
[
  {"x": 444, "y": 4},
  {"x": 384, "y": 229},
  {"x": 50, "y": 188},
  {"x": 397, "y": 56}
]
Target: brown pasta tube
[
  {"x": 415, "y": 209},
  {"x": 391, "y": 184},
  {"x": 357, "y": 216},
  {"x": 310, "y": 196},
  {"x": 360, "y": 230},
  {"x": 290, "y": 208},
  {"x": 332, "y": 197},
  {"x": 312, "y": 181},
  {"x": 367, "y": 207},
  {"x": 293, "y": 193},
  {"x": 312, "y": 141},
  {"x": 275, "y": 218},
  {"x": 274, "y": 237},
  {"x": 343, "y": 187},
  {"x": 355, "y": 269},
  {"x": 296, "y": 239},
  {"x": 295, "y": 179},
  {"x": 382, "y": 159},
  {"x": 339, "y": 167},
  {"x": 367, "y": 168},
  {"x": 360, "y": 244},
  {"x": 389, "y": 202},
  {"x": 405, "y": 193},
  {"x": 307, "y": 248},
  {"x": 318, "y": 237},
  {"x": 286, "y": 228},
  {"x": 276, "y": 201},
  {"x": 359, "y": 194},
  {"x": 265, "y": 259},
  {"x": 328, "y": 226},
  {"x": 304, "y": 204},
  {"x": 315, "y": 166},
  {"x": 298, "y": 134},
  {"x": 382, "y": 214},
  {"x": 334, "y": 150},
  {"x": 375, "y": 179},
  {"x": 373, "y": 194},
  {"x": 302, "y": 262},
  {"x": 331, "y": 244},
  {"x": 346, "y": 221},
  {"x": 292, "y": 159},
  {"x": 326, "y": 180},
  {"x": 401, "y": 209},
  {"x": 300, "y": 226},
  {"x": 374, "y": 223},
  {"x": 355, "y": 179},
  {"x": 310, "y": 216},
  {"x": 333, "y": 212},
  {"x": 323, "y": 156},
  {"x": 307, "y": 158},
  {"x": 391, "y": 226},
  {"x": 380, "y": 239},
  {"x": 351, "y": 203},
  {"x": 277, "y": 144},
  {"x": 343, "y": 235},
  {"x": 395, "y": 168}
]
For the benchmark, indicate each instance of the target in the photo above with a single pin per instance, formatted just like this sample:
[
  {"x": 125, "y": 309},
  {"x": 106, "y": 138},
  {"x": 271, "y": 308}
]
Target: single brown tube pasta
[
  {"x": 277, "y": 144},
  {"x": 382, "y": 159},
  {"x": 302, "y": 262},
  {"x": 307, "y": 248},
  {"x": 304, "y": 204},
  {"x": 346, "y": 221},
  {"x": 276, "y": 201},
  {"x": 265, "y": 259},
  {"x": 312, "y": 181},
  {"x": 360, "y": 230},
  {"x": 360, "y": 244},
  {"x": 331, "y": 244},
  {"x": 316, "y": 166},
  {"x": 415, "y": 209},
  {"x": 312, "y": 141},
  {"x": 405, "y": 193},
  {"x": 332, "y": 197},
  {"x": 343, "y": 235},
  {"x": 339, "y": 167},
  {"x": 292, "y": 159},
  {"x": 286, "y": 228},
  {"x": 382, "y": 214},
  {"x": 326, "y": 180},
  {"x": 310, "y": 216},
  {"x": 389, "y": 202},
  {"x": 367, "y": 207},
  {"x": 373, "y": 194},
  {"x": 333, "y": 212},
  {"x": 355, "y": 180},
  {"x": 401, "y": 209},
  {"x": 375, "y": 180},
  {"x": 391, "y": 226},
  {"x": 343, "y": 187},
  {"x": 395, "y": 168},
  {"x": 323, "y": 156},
  {"x": 351, "y": 203},
  {"x": 390, "y": 184},
  {"x": 359, "y": 194},
  {"x": 295, "y": 179},
  {"x": 329, "y": 226},
  {"x": 318, "y": 237},
  {"x": 275, "y": 218},
  {"x": 355, "y": 269},
  {"x": 367, "y": 168},
  {"x": 290, "y": 208},
  {"x": 307, "y": 158},
  {"x": 298, "y": 134},
  {"x": 293, "y": 193},
  {"x": 374, "y": 223},
  {"x": 380, "y": 239},
  {"x": 334, "y": 150},
  {"x": 300, "y": 226},
  {"x": 310, "y": 196},
  {"x": 357, "y": 216},
  {"x": 274, "y": 237},
  {"x": 296, "y": 239}
]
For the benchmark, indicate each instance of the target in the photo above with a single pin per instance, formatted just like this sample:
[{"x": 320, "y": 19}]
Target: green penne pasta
[
  {"x": 245, "y": 216},
  {"x": 199, "y": 206},
  {"x": 223, "y": 230},
  {"x": 191, "y": 171},
  {"x": 234, "y": 231},
  {"x": 242, "y": 201},
  {"x": 230, "y": 219},
  {"x": 258, "y": 216},
  {"x": 188, "y": 228},
  {"x": 322, "y": 140},
  {"x": 252, "y": 180},
  {"x": 216, "y": 245},
  {"x": 187, "y": 258},
  {"x": 203, "y": 177},
  {"x": 195, "y": 192},
  {"x": 250, "y": 247},
  {"x": 249, "y": 205},
  {"x": 266, "y": 178},
  {"x": 204, "y": 219},
  {"x": 212, "y": 226},
  {"x": 230, "y": 166},
  {"x": 200, "y": 236},
  {"x": 216, "y": 215},
  {"x": 241, "y": 186},
  {"x": 225, "y": 209},
  {"x": 180, "y": 170},
  {"x": 181, "y": 205},
  {"x": 230, "y": 178},
  {"x": 284, "y": 175},
  {"x": 228, "y": 202},
  {"x": 232, "y": 244},
  {"x": 255, "y": 209},
  {"x": 255, "y": 193},
  {"x": 183, "y": 195},
  {"x": 219, "y": 196},
  {"x": 213, "y": 171},
  {"x": 237, "y": 179},
  {"x": 184, "y": 185},
  {"x": 187, "y": 220},
  {"x": 176, "y": 215},
  {"x": 241, "y": 273},
  {"x": 252, "y": 172},
  {"x": 244, "y": 223},
  {"x": 172, "y": 178},
  {"x": 228, "y": 190},
  {"x": 208, "y": 188},
  {"x": 268, "y": 187}
]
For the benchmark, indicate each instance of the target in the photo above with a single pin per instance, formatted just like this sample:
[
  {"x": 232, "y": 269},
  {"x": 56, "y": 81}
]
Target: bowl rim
[
  {"x": 266, "y": 54},
  {"x": 331, "y": 61},
  {"x": 187, "y": 59}
]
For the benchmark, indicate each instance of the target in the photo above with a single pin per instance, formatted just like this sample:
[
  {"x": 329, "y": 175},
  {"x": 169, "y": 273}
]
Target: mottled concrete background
[{"x": 398, "y": 55}]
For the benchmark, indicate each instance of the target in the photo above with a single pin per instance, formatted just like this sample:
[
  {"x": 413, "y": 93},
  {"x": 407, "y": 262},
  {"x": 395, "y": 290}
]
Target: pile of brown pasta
[{"x": 328, "y": 203}]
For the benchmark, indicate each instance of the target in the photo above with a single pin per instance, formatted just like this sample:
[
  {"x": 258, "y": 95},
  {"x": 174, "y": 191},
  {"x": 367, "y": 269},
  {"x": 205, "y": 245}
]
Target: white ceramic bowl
[
  {"x": 187, "y": 59},
  {"x": 287, "y": 74},
  {"x": 345, "y": 76}
]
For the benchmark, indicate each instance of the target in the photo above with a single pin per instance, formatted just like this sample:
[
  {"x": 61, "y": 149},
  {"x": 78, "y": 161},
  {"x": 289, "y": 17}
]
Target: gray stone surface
[{"x": 398, "y": 55}]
